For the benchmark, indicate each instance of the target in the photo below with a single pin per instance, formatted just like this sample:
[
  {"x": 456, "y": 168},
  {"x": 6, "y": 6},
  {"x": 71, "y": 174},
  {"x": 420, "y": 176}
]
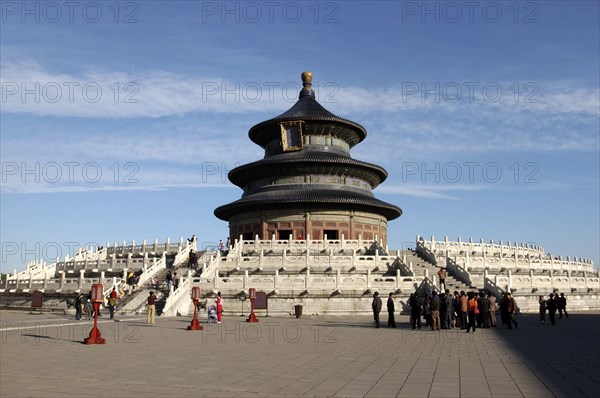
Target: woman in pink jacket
[{"x": 219, "y": 307}]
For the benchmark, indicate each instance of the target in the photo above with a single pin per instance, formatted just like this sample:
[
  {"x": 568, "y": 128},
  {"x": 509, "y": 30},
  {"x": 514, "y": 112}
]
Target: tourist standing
[
  {"x": 391, "y": 309},
  {"x": 376, "y": 305},
  {"x": 463, "y": 309},
  {"x": 551, "y": 305},
  {"x": 484, "y": 309},
  {"x": 88, "y": 307},
  {"x": 151, "y": 308},
  {"x": 449, "y": 314},
  {"x": 415, "y": 311},
  {"x": 562, "y": 305},
  {"x": 219, "y": 307},
  {"x": 542, "y": 311},
  {"x": 510, "y": 311},
  {"x": 442, "y": 276},
  {"x": 492, "y": 300},
  {"x": 471, "y": 312},
  {"x": 175, "y": 281},
  {"x": 456, "y": 307},
  {"x": 504, "y": 309},
  {"x": 436, "y": 306},
  {"x": 427, "y": 312},
  {"x": 78, "y": 306},
  {"x": 169, "y": 281}
]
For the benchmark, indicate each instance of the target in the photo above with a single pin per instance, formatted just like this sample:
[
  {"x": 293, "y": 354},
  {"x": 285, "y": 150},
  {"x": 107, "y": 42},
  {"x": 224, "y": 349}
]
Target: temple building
[{"x": 307, "y": 184}]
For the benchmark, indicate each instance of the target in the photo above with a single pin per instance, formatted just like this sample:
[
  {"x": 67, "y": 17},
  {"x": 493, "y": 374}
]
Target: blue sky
[{"x": 119, "y": 121}]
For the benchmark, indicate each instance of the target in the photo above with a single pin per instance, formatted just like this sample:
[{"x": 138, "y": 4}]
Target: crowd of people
[
  {"x": 551, "y": 305},
  {"x": 464, "y": 310}
]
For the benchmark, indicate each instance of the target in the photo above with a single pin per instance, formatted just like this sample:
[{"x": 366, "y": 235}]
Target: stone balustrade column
[
  {"x": 343, "y": 243},
  {"x": 410, "y": 266},
  {"x": 261, "y": 258},
  {"x": 216, "y": 280},
  {"x": 338, "y": 282},
  {"x": 531, "y": 277},
  {"x": 102, "y": 277},
  {"x": 307, "y": 279},
  {"x": 168, "y": 244},
  {"x": 123, "y": 247},
  {"x": 509, "y": 279},
  {"x": 245, "y": 280},
  {"x": 397, "y": 278},
  {"x": 81, "y": 274},
  {"x": 353, "y": 258},
  {"x": 360, "y": 241},
  {"x": 45, "y": 281},
  {"x": 376, "y": 257},
  {"x": 30, "y": 281},
  {"x": 368, "y": 278},
  {"x": 276, "y": 280},
  {"x": 61, "y": 284}
]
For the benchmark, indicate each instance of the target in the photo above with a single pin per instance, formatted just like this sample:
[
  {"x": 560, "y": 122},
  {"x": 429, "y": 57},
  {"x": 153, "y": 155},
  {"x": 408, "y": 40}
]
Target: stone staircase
[{"x": 420, "y": 265}]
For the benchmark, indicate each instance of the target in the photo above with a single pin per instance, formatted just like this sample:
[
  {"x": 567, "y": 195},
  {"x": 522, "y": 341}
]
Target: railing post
[
  {"x": 81, "y": 273},
  {"x": 337, "y": 279},
  {"x": 397, "y": 278},
  {"x": 368, "y": 278},
  {"x": 307, "y": 279},
  {"x": 275, "y": 280}
]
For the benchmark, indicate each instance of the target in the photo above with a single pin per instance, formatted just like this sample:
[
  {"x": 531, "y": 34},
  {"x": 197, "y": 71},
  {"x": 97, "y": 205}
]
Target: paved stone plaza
[{"x": 43, "y": 356}]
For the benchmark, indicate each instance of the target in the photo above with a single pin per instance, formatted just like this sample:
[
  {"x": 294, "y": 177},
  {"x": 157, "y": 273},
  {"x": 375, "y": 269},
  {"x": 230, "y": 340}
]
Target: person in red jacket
[{"x": 219, "y": 307}]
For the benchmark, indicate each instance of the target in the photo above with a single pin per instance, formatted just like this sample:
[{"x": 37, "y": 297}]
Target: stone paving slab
[{"x": 43, "y": 356}]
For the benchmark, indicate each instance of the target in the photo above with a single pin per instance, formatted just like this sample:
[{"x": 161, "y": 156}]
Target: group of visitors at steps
[{"x": 467, "y": 311}]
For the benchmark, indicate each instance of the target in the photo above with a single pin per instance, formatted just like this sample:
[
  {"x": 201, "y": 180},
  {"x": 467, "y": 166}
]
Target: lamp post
[
  {"x": 95, "y": 337},
  {"x": 195, "y": 325},
  {"x": 252, "y": 317}
]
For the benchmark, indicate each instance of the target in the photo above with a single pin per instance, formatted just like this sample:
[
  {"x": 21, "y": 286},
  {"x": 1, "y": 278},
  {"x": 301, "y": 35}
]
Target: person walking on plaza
[
  {"x": 112, "y": 304},
  {"x": 562, "y": 305},
  {"x": 442, "y": 277},
  {"x": 542, "y": 311},
  {"x": 551, "y": 305},
  {"x": 376, "y": 305},
  {"x": 492, "y": 300},
  {"x": 415, "y": 311},
  {"x": 219, "y": 307},
  {"x": 78, "y": 306},
  {"x": 88, "y": 308},
  {"x": 151, "y": 308},
  {"x": 391, "y": 309},
  {"x": 472, "y": 312},
  {"x": 511, "y": 309}
]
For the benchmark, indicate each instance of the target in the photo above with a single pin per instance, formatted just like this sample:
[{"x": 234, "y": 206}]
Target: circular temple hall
[{"x": 307, "y": 184}]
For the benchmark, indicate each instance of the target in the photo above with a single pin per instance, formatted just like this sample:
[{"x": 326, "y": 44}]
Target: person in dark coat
[
  {"x": 484, "y": 311},
  {"x": 562, "y": 305},
  {"x": 391, "y": 309},
  {"x": 376, "y": 305},
  {"x": 415, "y": 311},
  {"x": 78, "y": 306}
]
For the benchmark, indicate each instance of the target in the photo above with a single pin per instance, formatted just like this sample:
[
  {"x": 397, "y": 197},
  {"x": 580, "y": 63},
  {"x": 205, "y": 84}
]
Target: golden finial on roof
[{"x": 307, "y": 85}]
